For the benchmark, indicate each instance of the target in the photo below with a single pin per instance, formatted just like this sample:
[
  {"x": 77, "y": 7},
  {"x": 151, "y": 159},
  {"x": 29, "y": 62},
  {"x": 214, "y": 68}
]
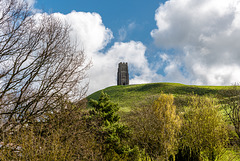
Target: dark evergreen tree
[{"x": 111, "y": 135}]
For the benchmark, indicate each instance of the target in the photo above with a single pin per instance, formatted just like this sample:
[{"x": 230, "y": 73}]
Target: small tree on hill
[{"x": 156, "y": 127}]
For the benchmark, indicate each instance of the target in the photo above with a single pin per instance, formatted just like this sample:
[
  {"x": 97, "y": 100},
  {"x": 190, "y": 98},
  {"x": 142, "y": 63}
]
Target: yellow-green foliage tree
[
  {"x": 204, "y": 132},
  {"x": 169, "y": 121},
  {"x": 156, "y": 127}
]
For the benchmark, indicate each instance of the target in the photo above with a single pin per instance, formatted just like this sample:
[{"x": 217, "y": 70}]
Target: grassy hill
[
  {"x": 134, "y": 95},
  {"x": 131, "y": 96}
]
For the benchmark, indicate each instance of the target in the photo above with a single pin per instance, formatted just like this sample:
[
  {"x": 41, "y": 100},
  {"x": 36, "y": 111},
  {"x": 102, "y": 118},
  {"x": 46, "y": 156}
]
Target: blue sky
[
  {"x": 116, "y": 15},
  {"x": 182, "y": 41}
]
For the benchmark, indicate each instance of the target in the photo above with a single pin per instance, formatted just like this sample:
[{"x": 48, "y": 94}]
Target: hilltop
[{"x": 134, "y": 95}]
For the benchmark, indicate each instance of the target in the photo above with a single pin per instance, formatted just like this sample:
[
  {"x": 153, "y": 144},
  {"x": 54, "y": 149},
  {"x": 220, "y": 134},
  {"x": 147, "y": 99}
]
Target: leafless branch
[{"x": 39, "y": 65}]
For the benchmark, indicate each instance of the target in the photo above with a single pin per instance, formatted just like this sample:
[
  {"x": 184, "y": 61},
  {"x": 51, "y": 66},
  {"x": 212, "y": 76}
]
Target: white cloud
[
  {"x": 88, "y": 30},
  {"x": 93, "y": 36},
  {"x": 206, "y": 35}
]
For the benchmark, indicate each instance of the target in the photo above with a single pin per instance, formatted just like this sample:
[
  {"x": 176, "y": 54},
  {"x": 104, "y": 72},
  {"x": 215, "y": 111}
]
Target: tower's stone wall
[{"x": 122, "y": 75}]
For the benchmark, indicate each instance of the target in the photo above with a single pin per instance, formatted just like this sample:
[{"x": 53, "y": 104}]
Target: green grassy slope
[{"x": 132, "y": 95}]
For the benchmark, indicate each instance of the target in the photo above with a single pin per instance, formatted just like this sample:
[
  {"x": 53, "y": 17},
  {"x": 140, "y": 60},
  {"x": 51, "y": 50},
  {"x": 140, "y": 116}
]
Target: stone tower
[{"x": 122, "y": 75}]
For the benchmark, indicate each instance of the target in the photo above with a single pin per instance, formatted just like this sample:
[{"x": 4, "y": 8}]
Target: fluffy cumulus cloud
[
  {"x": 88, "y": 30},
  {"x": 92, "y": 36},
  {"x": 206, "y": 36}
]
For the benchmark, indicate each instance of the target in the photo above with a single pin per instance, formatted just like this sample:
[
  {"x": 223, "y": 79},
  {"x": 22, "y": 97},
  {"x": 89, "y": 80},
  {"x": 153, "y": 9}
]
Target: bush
[
  {"x": 61, "y": 135},
  {"x": 204, "y": 133}
]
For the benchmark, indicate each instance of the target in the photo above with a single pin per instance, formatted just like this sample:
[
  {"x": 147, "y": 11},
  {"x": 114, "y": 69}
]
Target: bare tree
[
  {"x": 231, "y": 105},
  {"x": 39, "y": 65}
]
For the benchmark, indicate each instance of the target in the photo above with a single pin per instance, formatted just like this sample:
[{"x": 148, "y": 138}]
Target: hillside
[{"x": 134, "y": 95}]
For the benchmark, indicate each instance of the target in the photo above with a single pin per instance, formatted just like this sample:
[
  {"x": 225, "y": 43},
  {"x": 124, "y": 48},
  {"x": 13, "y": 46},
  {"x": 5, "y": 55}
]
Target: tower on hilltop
[{"x": 122, "y": 75}]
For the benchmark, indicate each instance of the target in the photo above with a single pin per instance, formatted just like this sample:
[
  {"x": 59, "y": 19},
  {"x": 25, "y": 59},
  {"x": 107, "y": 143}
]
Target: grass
[{"x": 134, "y": 95}]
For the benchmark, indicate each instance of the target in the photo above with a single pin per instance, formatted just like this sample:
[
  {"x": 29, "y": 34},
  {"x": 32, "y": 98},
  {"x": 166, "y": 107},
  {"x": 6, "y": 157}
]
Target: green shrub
[{"x": 204, "y": 133}]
